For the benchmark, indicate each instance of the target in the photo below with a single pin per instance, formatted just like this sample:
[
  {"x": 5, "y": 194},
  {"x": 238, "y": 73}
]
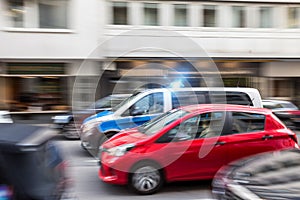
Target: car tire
[
  {"x": 146, "y": 178},
  {"x": 83, "y": 147}
]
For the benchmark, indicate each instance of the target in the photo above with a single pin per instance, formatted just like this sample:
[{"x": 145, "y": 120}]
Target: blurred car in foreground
[
  {"x": 70, "y": 123},
  {"x": 286, "y": 111},
  {"x": 31, "y": 164},
  {"x": 189, "y": 143},
  {"x": 267, "y": 176}
]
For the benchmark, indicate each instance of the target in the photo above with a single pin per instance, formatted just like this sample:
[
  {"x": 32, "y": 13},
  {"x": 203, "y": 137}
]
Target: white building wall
[
  {"x": 90, "y": 27},
  {"x": 86, "y": 21},
  {"x": 252, "y": 43},
  {"x": 222, "y": 41}
]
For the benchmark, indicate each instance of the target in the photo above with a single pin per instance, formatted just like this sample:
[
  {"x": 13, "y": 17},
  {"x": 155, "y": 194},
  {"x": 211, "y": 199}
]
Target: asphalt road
[{"x": 83, "y": 170}]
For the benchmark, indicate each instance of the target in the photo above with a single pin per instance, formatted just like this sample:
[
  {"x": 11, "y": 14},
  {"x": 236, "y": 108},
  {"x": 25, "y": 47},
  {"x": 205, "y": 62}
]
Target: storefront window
[
  {"x": 36, "y": 87},
  {"x": 36, "y": 68},
  {"x": 282, "y": 88},
  {"x": 84, "y": 91}
]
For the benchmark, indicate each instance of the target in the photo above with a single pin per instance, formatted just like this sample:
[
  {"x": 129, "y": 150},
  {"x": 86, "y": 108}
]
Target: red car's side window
[{"x": 243, "y": 122}]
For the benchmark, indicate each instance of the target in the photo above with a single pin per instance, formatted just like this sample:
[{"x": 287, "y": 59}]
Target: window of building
[
  {"x": 120, "y": 13},
  {"x": 53, "y": 14},
  {"x": 266, "y": 19},
  {"x": 209, "y": 16},
  {"x": 180, "y": 15},
  {"x": 151, "y": 14},
  {"x": 293, "y": 17},
  {"x": 38, "y": 14},
  {"x": 239, "y": 16},
  {"x": 16, "y": 10}
]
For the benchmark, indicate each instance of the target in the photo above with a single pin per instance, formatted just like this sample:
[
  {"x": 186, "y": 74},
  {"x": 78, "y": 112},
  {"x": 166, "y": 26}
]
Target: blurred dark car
[
  {"x": 31, "y": 164},
  {"x": 286, "y": 111},
  {"x": 70, "y": 123},
  {"x": 267, "y": 176}
]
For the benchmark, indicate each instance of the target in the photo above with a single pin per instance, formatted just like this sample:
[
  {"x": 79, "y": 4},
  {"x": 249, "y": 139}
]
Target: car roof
[
  {"x": 241, "y": 89},
  {"x": 283, "y": 104},
  {"x": 23, "y": 137},
  {"x": 275, "y": 101},
  {"x": 120, "y": 95},
  {"x": 224, "y": 107}
]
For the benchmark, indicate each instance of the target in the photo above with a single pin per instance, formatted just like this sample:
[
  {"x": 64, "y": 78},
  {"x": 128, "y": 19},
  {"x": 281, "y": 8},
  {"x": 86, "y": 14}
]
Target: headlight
[
  {"x": 61, "y": 119},
  {"x": 120, "y": 150}
]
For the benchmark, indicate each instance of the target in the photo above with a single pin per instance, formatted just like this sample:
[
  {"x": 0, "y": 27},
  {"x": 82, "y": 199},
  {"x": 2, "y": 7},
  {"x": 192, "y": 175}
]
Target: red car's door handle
[
  {"x": 220, "y": 143},
  {"x": 265, "y": 137}
]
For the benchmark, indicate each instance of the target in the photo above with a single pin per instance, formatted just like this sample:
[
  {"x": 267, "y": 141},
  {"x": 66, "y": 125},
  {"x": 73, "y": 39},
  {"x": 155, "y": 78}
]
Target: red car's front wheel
[{"x": 146, "y": 178}]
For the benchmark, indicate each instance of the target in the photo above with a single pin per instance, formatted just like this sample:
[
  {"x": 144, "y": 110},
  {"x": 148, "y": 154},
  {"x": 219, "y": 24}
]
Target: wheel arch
[
  {"x": 111, "y": 132},
  {"x": 105, "y": 136}
]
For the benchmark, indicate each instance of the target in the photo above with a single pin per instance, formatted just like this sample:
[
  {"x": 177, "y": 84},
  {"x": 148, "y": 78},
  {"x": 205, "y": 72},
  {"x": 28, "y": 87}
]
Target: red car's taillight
[{"x": 293, "y": 136}]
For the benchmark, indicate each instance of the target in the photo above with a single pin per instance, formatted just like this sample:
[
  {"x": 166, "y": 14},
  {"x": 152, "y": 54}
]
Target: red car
[{"x": 190, "y": 143}]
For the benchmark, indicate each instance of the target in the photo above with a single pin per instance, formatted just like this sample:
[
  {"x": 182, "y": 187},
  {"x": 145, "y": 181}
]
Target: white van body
[{"x": 252, "y": 93}]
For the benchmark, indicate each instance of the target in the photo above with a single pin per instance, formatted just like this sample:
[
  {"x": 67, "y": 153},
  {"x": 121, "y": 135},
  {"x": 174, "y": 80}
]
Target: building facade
[{"x": 61, "y": 53}]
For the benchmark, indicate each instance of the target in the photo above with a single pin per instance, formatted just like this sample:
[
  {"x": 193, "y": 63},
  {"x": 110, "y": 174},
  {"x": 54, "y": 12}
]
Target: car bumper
[
  {"x": 62, "y": 119},
  {"x": 90, "y": 141},
  {"x": 57, "y": 126},
  {"x": 113, "y": 171},
  {"x": 71, "y": 135},
  {"x": 110, "y": 175}
]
